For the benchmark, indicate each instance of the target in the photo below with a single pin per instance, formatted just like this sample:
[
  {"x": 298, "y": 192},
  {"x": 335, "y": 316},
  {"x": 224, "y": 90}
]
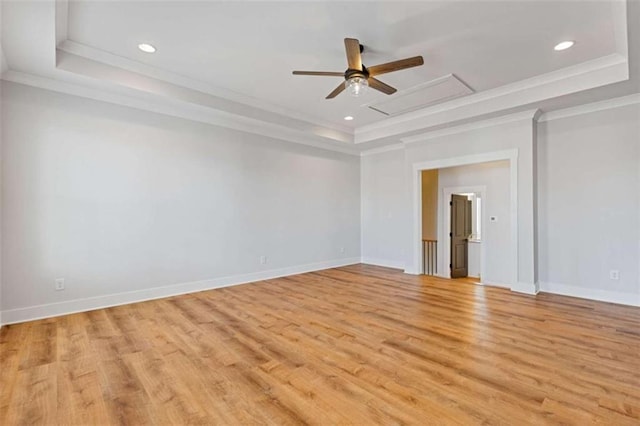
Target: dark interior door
[{"x": 460, "y": 231}]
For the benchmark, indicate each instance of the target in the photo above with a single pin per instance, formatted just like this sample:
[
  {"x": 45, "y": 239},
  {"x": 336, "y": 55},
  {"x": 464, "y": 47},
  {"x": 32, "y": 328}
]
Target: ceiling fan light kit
[
  {"x": 358, "y": 77},
  {"x": 356, "y": 86}
]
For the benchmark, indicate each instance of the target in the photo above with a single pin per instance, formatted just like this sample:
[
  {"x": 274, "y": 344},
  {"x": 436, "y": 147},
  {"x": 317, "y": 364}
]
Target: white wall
[
  {"x": 387, "y": 193},
  {"x": 116, "y": 200},
  {"x": 587, "y": 174},
  {"x": 509, "y": 137},
  {"x": 1, "y": 180},
  {"x": 496, "y": 236},
  {"x": 475, "y": 253},
  {"x": 589, "y": 204},
  {"x": 385, "y": 212}
]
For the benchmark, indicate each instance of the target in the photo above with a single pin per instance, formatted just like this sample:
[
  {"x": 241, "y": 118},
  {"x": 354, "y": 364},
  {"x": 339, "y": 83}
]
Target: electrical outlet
[
  {"x": 263, "y": 260},
  {"x": 341, "y": 249},
  {"x": 614, "y": 274},
  {"x": 59, "y": 284}
]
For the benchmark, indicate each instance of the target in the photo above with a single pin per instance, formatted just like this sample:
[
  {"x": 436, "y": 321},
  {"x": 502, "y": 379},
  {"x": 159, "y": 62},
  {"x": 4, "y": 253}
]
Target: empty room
[{"x": 319, "y": 212}]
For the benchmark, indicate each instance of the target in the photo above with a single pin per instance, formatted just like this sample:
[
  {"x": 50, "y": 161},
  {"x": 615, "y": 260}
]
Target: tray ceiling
[
  {"x": 230, "y": 63},
  {"x": 251, "y": 47}
]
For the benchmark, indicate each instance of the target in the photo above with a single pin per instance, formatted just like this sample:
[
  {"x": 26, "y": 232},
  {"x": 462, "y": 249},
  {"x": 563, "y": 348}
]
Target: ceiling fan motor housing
[
  {"x": 357, "y": 77},
  {"x": 350, "y": 73}
]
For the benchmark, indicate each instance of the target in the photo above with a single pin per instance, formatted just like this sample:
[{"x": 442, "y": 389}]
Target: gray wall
[
  {"x": 386, "y": 216},
  {"x": 589, "y": 203},
  {"x": 588, "y": 193},
  {"x": 115, "y": 199},
  {"x": 494, "y": 176}
]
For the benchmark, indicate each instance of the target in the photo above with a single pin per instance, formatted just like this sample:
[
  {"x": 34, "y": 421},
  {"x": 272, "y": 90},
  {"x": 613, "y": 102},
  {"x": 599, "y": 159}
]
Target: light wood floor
[{"x": 353, "y": 345}]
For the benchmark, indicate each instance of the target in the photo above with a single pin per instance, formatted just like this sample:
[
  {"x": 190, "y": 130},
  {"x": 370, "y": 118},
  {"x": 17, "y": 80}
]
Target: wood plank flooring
[{"x": 354, "y": 345}]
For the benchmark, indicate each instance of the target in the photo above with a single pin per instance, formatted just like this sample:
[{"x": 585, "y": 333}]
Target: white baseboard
[
  {"x": 494, "y": 284},
  {"x": 383, "y": 262},
  {"x": 526, "y": 288},
  {"x": 98, "y": 302},
  {"x": 631, "y": 299}
]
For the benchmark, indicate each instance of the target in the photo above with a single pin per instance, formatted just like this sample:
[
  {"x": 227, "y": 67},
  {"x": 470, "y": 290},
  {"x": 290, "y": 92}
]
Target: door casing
[
  {"x": 459, "y": 232},
  {"x": 445, "y": 224}
]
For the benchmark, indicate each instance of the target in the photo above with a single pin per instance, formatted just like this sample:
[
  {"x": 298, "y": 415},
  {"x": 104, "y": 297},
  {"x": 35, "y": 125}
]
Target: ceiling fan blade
[
  {"x": 328, "y": 73},
  {"x": 383, "y": 87},
  {"x": 354, "y": 59},
  {"x": 396, "y": 65},
  {"x": 336, "y": 91}
]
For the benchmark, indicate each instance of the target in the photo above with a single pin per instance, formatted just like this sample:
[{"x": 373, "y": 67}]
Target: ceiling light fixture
[
  {"x": 564, "y": 45},
  {"x": 348, "y": 118},
  {"x": 146, "y": 48},
  {"x": 356, "y": 86}
]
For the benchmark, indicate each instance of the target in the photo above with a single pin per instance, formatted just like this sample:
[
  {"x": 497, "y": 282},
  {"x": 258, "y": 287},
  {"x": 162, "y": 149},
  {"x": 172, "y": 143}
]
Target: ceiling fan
[{"x": 358, "y": 77}]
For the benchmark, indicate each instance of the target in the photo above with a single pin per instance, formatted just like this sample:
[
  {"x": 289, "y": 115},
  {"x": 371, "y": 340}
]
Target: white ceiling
[
  {"x": 230, "y": 63},
  {"x": 251, "y": 48}
]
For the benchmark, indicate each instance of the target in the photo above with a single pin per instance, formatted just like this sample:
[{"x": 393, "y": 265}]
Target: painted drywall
[
  {"x": 510, "y": 137},
  {"x": 430, "y": 204},
  {"x": 475, "y": 251},
  {"x": 385, "y": 215},
  {"x": 115, "y": 200},
  {"x": 589, "y": 204},
  {"x": 585, "y": 208},
  {"x": 494, "y": 176},
  {"x": 1, "y": 183}
]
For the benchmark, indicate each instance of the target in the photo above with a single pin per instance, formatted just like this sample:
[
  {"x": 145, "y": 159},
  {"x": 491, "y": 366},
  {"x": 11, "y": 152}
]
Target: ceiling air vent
[{"x": 423, "y": 95}]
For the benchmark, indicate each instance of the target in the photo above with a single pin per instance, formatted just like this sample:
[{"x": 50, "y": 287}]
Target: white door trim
[
  {"x": 416, "y": 181},
  {"x": 445, "y": 227}
]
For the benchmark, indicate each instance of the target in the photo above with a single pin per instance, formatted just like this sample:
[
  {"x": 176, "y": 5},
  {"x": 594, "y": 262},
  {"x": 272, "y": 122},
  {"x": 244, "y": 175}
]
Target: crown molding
[
  {"x": 484, "y": 102},
  {"x": 598, "y": 72},
  {"x": 168, "y": 93},
  {"x": 530, "y": 115},
  {"x": 64, "y": 44},
  {"x": 533, "y": 114},
  {"x": 172, "y": 86},
  {"x": 181, "y": 109},
  {"x": 277, "y": 113},
  {"x": 591, "y": 107},
  {"x": 530, "y": 83},
  {"x": 382, "y": 149}
]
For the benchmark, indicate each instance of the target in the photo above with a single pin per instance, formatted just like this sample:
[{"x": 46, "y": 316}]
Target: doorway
[
  {"x": 483, "y": 259},
  {"x": 474, "y": 198},
  {"x": 459, "y": 234},
  {"x": 430, "y": 222},
  {"x": 517, "y": 258},
  {"x": 464, "y": 246}
]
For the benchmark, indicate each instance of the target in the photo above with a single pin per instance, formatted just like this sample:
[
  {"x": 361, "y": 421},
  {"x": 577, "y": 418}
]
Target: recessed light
[
  {"x": 348, "y": 118},
  {"x": 564, "y": 45},
  {"x": 146, "y": 48}
]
